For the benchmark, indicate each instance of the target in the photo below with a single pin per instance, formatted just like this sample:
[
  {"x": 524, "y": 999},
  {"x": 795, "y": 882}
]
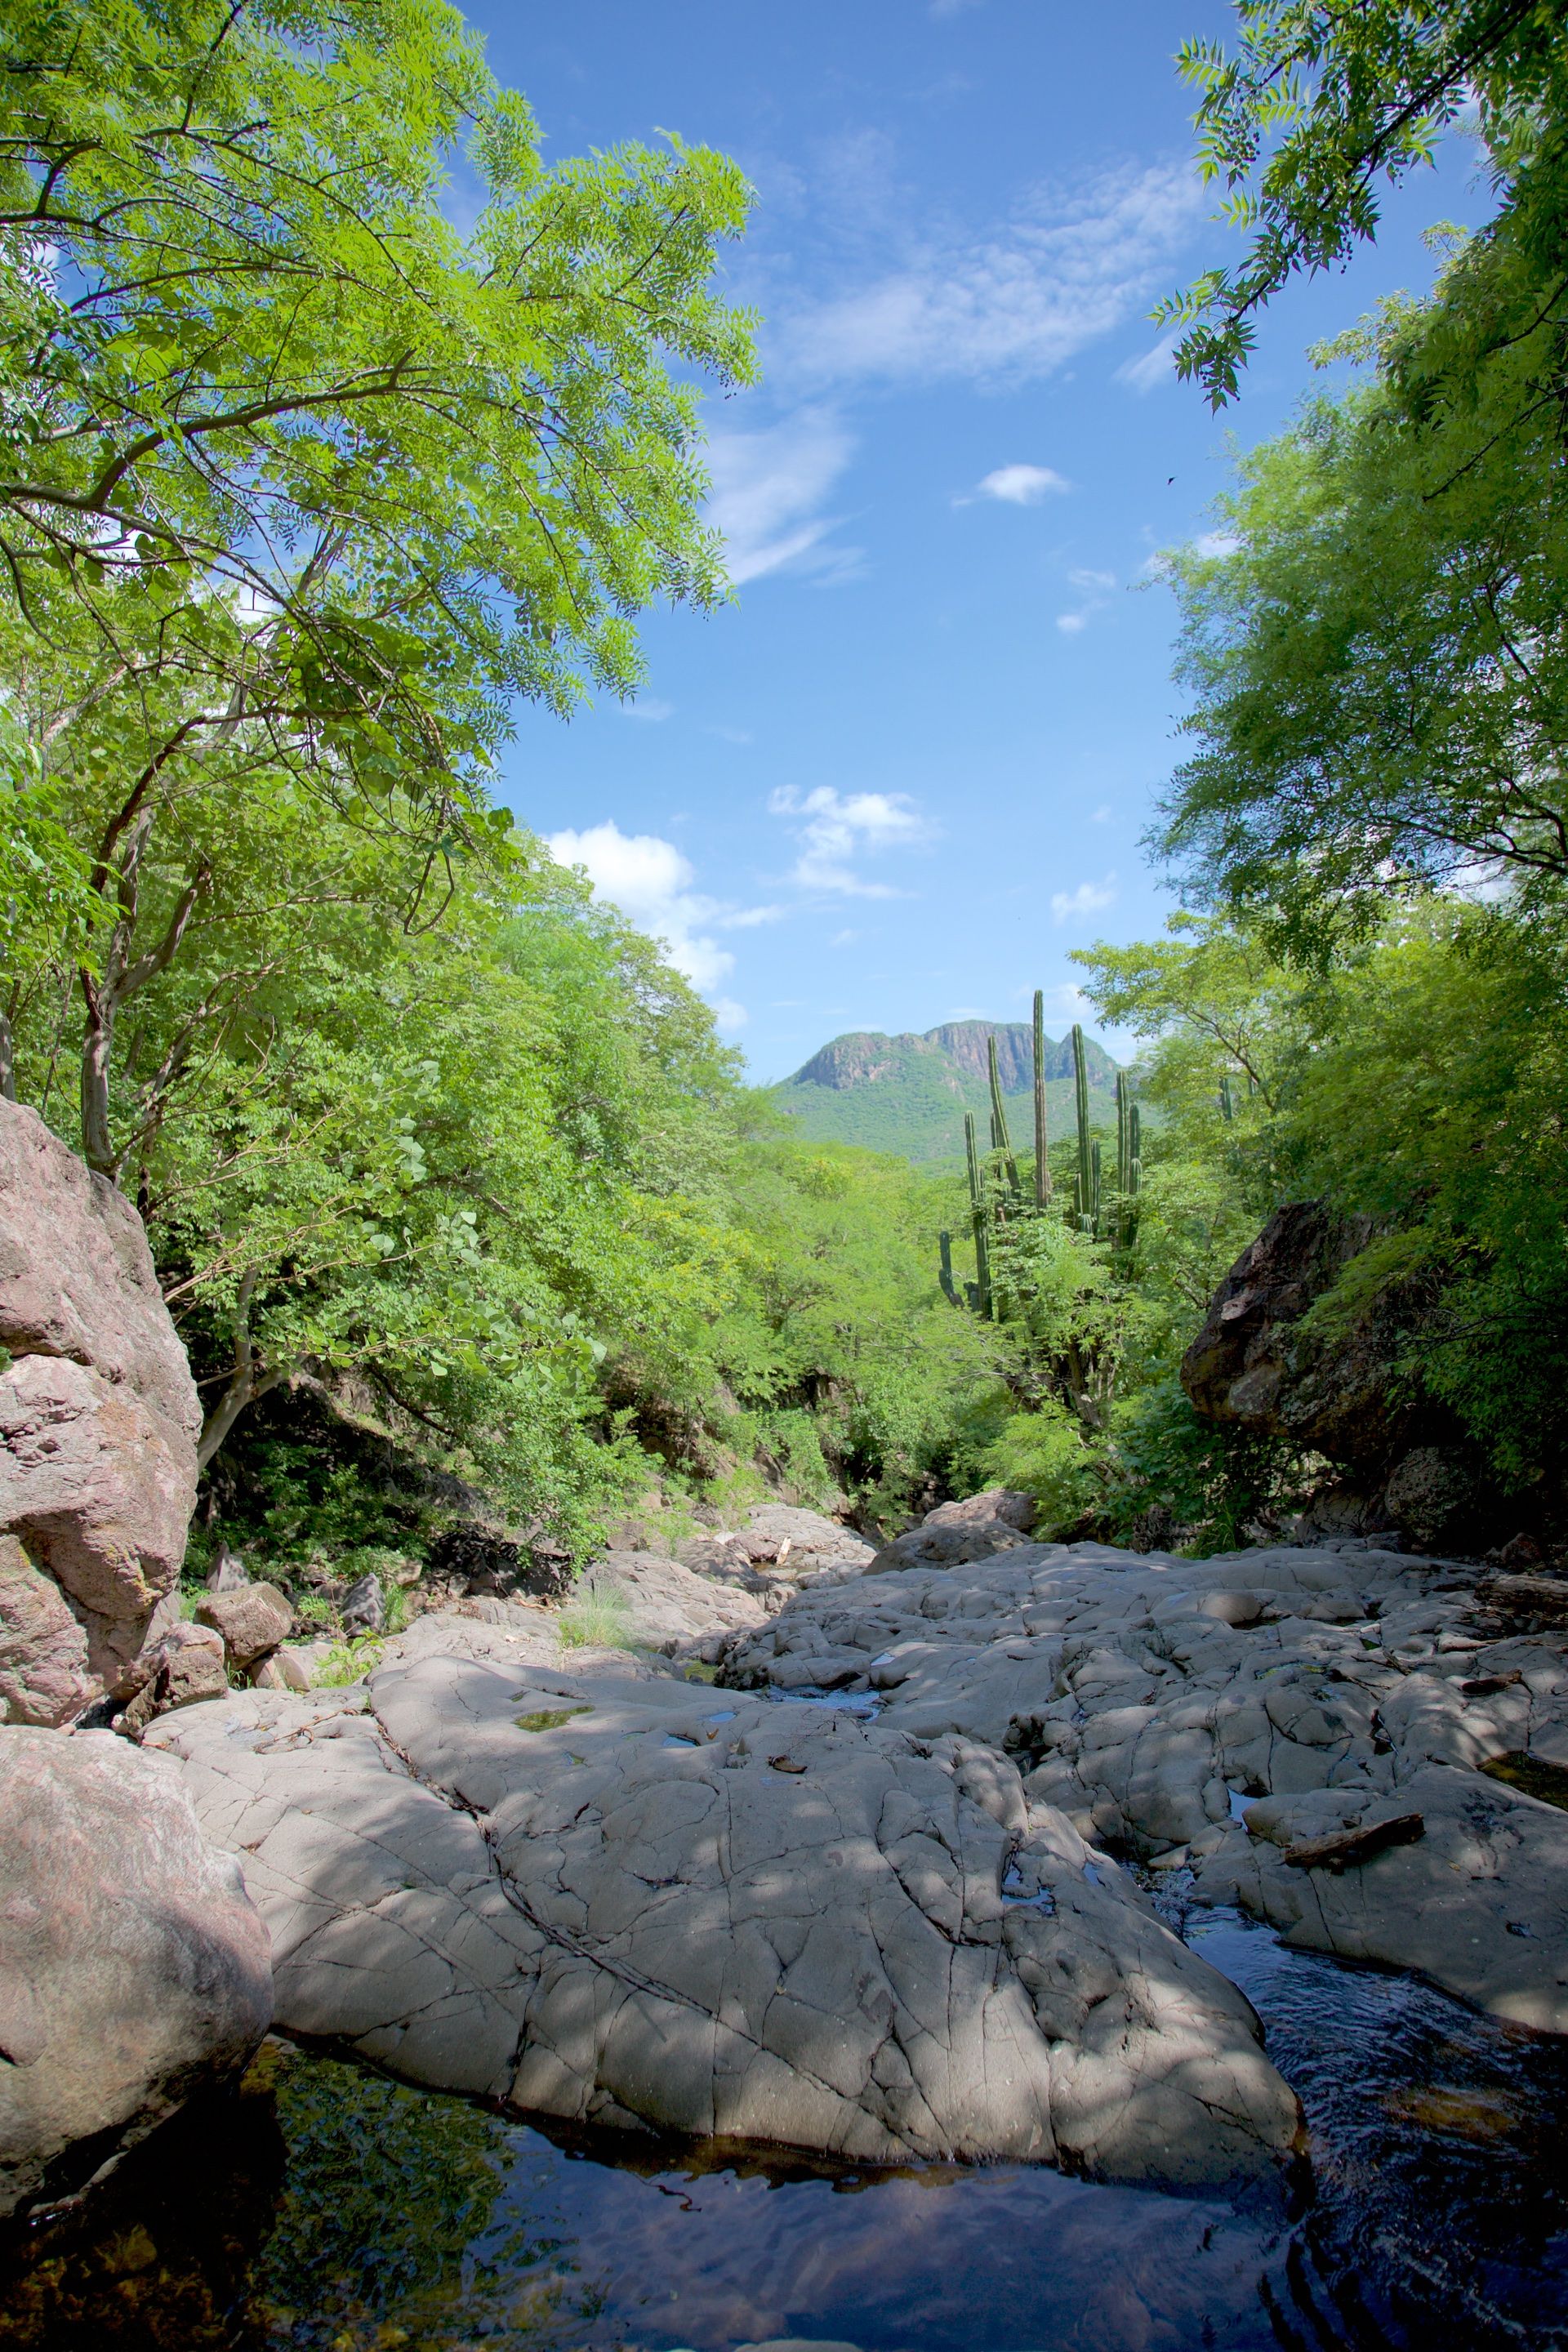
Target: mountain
[{"x": 909, "y": 1094}]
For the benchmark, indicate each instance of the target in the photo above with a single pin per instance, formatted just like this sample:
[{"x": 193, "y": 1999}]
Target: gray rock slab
[
  {"x": 666, "y": 1907},
  {"x": 1152, "y": 1699}
]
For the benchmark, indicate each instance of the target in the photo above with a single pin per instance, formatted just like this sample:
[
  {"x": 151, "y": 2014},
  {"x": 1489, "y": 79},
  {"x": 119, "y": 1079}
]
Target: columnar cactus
[
  {"x": 949, "y": 1288},
  {"x": 1080, "y": 1091},
  {"x": 977, "y": 1211},
  {"x": 1000, "y": 1140},
  {"x": 1042, "y": 1154}
]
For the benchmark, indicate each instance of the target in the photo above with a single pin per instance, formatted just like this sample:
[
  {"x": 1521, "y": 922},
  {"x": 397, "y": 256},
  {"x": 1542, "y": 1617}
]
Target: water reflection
[{"x": 328, "y": 2210}]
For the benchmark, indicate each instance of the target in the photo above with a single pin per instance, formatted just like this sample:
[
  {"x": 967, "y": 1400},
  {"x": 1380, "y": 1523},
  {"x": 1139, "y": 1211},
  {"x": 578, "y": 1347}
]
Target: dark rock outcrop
[
  {"x": 133, "y": 1965},
  {"x": 99, "y": 1420},
  {"x": 1258, "y": 1366}
]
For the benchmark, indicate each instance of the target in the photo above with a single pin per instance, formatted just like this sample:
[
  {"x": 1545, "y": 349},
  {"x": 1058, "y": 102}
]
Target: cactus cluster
[{"x": 1105, "y": 1210}]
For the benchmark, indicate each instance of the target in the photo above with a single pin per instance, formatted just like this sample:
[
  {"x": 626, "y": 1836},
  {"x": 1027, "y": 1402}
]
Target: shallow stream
[{"x": 328, "y": 2210}]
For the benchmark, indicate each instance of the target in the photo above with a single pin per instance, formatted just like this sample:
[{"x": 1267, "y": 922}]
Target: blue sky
[{"x": 909, "y": 769}]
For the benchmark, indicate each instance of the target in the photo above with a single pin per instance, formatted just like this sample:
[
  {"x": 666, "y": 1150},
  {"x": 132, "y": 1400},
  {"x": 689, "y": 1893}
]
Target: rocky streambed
[{"x": 1163, "y": 1951}]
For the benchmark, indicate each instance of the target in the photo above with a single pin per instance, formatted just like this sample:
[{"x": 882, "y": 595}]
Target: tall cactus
[
  {"x": 949, "y": 1288},
  {"x": 1227, "y": 1099},
  {"x": 1042, "y": 1153},
  {"x": 1128, "y": 1163},
  {"x": 977, "y": 1213},
  {"x": 1000, "y": 1140},
  {"x": 1080, "y": 1092},
  {"x": 1095, "y": 1200}
]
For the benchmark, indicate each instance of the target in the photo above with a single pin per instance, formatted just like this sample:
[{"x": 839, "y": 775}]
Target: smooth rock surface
[
  {"x": 668, "y": 1607},
  {"x": 99, "y": 1418},
  {"x": 133, "y": 1966},
  {"x": 1153, "y": 1699},
  {"x": 641, "y": 1904}
]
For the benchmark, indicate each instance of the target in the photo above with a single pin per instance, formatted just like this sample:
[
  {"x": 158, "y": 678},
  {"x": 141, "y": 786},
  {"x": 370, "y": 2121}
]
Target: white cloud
[
  {"x": 649, "y": 708},
  {"x": 767, "y": 489},
  {"x": 1216, "y": 542},
  {"x": 1012, "y": 305},
  {"x": 1021, "y": 485},
  {"x": 835, "y": 828},
  {"x": 1152, "y": 369},
  {"x": 1102, "y": 815},
  {"x": 1094, "y": 588},
  {"x": 651, "y": 881},
  {"x": 1089, "y": 899}
]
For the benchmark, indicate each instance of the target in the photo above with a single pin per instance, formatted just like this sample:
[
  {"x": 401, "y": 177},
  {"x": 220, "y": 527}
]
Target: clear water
[{"x": 329, "y": 2210}]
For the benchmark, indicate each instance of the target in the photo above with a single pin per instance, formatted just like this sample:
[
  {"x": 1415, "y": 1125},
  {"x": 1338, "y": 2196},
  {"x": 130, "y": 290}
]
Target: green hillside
[{"x": 909, "y": 1094}]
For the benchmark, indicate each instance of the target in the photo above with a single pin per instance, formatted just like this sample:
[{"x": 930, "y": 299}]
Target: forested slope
[{"x": 460, "y": 1204}]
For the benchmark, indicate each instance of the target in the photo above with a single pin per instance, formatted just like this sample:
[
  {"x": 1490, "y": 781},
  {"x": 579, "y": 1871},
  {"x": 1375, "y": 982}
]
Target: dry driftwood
[{"x": 1344, "y": 1848}]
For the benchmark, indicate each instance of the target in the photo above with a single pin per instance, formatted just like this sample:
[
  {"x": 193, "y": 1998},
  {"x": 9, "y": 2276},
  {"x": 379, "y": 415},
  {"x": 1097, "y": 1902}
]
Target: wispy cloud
[
  {"x": 768, "y": 489},
  {"x": 651, "y": 882},
  {"x": 834, "y": 828},
  {"x": 1154, "y": 367},
  {"x": 1021, "y": 485},
  {"x": 1089, "y": 899},
  {"x": 1094, "y": 592},
  {"x": 1010, "y": 305},
  {"x": 648, "y": 708}
]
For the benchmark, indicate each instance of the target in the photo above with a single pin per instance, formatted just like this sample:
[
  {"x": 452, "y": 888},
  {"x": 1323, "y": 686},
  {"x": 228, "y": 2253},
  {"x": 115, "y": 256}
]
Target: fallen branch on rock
[{"x": 1345, "y": 1848}]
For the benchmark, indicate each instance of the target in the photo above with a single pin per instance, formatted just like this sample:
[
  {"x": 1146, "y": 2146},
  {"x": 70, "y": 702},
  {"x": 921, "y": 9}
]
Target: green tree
[
  {"x": 1321, "y": 103},
  {"x": 1379, "y": 656},
  {"x": 300, "y": 485}
]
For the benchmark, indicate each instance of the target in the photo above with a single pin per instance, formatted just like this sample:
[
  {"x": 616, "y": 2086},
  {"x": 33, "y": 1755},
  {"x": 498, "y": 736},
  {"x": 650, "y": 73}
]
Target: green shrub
[{"x": 1048, "y": 1453}]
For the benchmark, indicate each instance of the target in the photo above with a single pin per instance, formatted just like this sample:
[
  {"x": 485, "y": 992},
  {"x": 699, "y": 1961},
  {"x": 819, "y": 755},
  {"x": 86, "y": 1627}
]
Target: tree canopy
[{"x": 1318, "y": 104}]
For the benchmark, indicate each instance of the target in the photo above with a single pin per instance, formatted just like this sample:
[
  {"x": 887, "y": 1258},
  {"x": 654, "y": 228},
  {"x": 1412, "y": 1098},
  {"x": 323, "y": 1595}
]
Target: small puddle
[{"x": 867, "y": 1704}]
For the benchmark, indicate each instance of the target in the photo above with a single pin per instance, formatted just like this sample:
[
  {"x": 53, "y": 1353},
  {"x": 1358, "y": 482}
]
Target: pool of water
[{"x": 328, "y": 2210}]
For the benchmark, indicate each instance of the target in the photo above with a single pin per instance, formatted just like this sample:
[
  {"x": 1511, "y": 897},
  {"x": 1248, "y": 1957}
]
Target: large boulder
[
  {"x": 251, "y": 1619},
  {"x": 666, "y": 1606},
  {"x": 1250, "y": 1367},
  {"x": 133, "y": 1965},
  {"x": 98, "y": 1422},
  {"x": 1008, "y": 1504},
  {"x": 644, "y": 1906},
  {"x": 1258, "y": 1366}
]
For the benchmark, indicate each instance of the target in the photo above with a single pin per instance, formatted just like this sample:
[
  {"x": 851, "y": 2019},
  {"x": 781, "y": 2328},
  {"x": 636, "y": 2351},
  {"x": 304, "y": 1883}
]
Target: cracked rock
[
  {"x": 1153, "y": 1700},
  {"x": 592, "y": 1896}
]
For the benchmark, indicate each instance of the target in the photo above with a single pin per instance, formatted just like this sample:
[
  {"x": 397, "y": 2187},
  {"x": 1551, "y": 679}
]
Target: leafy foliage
[{"x": 1318, "y": 103}]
